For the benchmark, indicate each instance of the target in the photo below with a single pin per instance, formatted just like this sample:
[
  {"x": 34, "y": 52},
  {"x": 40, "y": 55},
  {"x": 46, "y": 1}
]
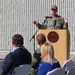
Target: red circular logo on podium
[{"x": 53, "y": 36}]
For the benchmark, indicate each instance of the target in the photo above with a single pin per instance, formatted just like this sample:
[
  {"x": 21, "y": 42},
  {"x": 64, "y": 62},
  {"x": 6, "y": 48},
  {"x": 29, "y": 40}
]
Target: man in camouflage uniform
[
  {"x": 54, "y": 21},
  {"x": 36, "y": 59}
]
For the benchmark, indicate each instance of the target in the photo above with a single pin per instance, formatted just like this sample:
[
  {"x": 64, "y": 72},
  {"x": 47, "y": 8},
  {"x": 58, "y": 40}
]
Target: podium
[{"x": 60, "y": 41}]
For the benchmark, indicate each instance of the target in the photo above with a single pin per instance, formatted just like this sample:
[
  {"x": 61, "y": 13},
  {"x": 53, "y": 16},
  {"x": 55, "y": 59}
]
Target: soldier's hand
[
  {"x": 35, "y": 22},
  {"x": 66, "y": 21}
]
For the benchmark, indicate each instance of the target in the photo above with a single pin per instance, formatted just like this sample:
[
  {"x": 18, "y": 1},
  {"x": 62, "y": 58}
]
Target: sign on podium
[{"x": 60, "y": 41}]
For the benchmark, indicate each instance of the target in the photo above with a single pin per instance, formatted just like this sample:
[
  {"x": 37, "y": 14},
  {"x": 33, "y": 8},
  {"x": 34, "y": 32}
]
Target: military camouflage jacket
[
  {"x": 49, "y": 23},
  {"x": 35, "y": 62}
]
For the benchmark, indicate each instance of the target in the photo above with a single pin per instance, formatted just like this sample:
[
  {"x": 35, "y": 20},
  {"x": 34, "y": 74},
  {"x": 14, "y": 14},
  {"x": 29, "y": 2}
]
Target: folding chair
[
  {"x": 68, "y": 64},
  {"x": 71, "y": 71},
  {"x": 57, "y": 71},
  {"x": 22, "y": 70}
]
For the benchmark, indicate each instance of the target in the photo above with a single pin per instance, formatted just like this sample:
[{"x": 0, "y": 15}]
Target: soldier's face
[{"x": 53, "y": 11}]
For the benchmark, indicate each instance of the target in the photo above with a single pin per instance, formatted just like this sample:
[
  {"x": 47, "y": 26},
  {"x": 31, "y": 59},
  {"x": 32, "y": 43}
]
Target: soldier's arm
[
  {"x": 65, "y": 24},
  {"x": 36, "y": 60},
  {"x": 43, "y": 25}
]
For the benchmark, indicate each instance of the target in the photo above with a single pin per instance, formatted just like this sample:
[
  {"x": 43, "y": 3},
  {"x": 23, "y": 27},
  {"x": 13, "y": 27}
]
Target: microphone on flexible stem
[
  {"x": 33, "y": 37},
  {"x": 54, "y": 23}
]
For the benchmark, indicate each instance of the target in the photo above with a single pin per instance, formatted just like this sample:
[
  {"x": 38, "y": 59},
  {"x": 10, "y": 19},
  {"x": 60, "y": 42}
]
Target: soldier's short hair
[
  {"x": 17, "y": 40},
  {"x": 41, "y": 38}
]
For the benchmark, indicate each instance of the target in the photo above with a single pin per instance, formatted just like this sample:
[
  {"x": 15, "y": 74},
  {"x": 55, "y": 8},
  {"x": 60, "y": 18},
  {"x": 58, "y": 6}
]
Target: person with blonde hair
[{"x": 49, "y": 62}]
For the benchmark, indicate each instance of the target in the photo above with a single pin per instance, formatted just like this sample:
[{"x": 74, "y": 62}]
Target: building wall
[{"x": 16, "y": 16}]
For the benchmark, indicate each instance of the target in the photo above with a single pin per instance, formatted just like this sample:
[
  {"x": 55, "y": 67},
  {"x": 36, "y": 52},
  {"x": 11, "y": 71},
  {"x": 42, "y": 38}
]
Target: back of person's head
[
  {"x": 17, "y": 40},
  {"x": 41, "y": 39},
  {"x": 47, "y": 52}
]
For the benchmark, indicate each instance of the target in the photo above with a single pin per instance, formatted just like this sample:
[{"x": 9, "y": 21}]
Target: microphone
[{"x": 54, "y": 23}]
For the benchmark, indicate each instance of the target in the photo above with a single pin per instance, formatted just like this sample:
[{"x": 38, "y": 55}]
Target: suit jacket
[{"x": 13, "y": 59}]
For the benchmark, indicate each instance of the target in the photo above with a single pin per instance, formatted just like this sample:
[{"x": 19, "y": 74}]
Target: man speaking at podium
[{"x": 54, "y": 21}]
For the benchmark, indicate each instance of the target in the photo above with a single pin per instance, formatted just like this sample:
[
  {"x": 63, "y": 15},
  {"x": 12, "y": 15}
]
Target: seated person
[
  {"x": 54, "y": 21},
  {"x": 49, "y": 62},
  {"x": 18, "y": 56},
  {"x": 41, "y": 39}
]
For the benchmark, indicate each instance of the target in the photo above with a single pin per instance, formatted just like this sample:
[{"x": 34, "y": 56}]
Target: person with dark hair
[
  {"x": 54, "y": 21},
  {"x": 17, "y": 40},
  {"x": 18, "y": 56},
  {"x": 36, "y": 59}
]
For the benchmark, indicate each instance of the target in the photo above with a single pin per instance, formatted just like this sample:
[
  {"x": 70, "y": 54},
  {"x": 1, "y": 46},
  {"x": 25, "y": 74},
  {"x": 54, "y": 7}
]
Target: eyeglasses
[{"x": 53, "y": 9}]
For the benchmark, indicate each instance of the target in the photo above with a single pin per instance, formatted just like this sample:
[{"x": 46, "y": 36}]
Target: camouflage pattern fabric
[
  {"x": 35, "y": 62},
  {"x": 49, "y": 23}
]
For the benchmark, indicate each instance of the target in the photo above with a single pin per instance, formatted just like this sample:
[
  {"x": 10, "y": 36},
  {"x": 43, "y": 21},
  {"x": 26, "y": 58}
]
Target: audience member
[
  {"x": 49, "y": 62},
  {"x": 18, "y": 56},
  {"x": 41, "y": 39},
  {"x": 54, "y": 21}
]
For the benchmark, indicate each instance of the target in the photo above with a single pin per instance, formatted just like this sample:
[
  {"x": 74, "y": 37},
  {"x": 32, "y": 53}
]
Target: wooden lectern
[{"x": 60, "y": 41}]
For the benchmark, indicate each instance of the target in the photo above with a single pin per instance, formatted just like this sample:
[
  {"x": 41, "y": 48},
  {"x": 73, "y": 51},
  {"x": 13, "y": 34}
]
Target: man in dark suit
[{"x": 18, "y": 56}]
